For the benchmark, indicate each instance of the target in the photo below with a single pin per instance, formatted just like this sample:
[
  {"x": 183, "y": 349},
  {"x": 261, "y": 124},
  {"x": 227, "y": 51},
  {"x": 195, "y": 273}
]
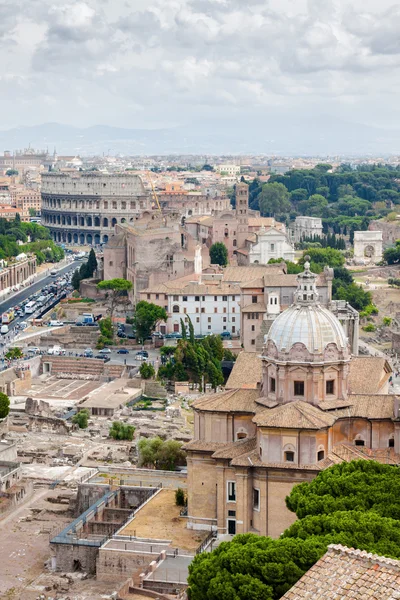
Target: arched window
[
  {"x": 320, "y": 455},
  {"x": 175, "y": 308},
  {"x": 289, "y": 456},
  {"x": 105, "y": 222},
  {"x": 359, "y": 441},
  {"x": 391, "y": 442},
  {"x": 241, "y": 434},
  {"x": 113, "y": 222}
]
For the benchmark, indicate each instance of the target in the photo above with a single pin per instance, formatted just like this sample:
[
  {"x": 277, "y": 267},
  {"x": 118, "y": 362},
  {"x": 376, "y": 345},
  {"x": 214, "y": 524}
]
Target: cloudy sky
[{"x": 162, "y": 63}]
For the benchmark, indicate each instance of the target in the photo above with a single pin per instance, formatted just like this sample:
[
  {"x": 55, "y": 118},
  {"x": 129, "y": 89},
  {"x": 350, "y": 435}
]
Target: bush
[
  {"x": 158, "y": 454},
  {"x": 121, "y": 431},
  {"x": 146, "y": 371},
  {"x": 4, "y": 405},
  {"x": 387, "y": 321},
  {"x": 180, "y": 497},
  {"x": 14, "y": 353},
  {"x": 369, "y": 327},
  {"x": 81, "y": 418}
]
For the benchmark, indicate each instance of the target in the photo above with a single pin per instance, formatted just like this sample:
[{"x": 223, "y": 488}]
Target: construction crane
[{"x": 154, "y": 193}]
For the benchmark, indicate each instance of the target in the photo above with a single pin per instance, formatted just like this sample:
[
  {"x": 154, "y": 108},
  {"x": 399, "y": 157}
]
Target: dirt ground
[
  {"x": 24, "y": 545},
  {"x": 160, "y": 519}
]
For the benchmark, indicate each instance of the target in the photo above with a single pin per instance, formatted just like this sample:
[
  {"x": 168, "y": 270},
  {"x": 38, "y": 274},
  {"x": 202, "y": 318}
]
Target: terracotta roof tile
[
  {"x": 344, "y": 573},
  {"x": 237, "y": 400},
  {"x": 236, "y": 449},
  {"x": 246, "y": 372},
  {"x": 243, "y": 274},
  {"x": 368, "y": 374},
  {"x": 296, "y": 415},
  {"x": 258, "y": 307}
]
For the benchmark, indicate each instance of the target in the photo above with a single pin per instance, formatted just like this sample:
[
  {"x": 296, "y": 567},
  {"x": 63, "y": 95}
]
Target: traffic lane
[
  {"x": 115, "y": 358},
  {"x": 35, "y": 287}
]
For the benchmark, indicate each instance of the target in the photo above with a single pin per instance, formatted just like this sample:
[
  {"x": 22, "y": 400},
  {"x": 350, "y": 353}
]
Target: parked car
[
  {"x": 131, "y": 336},
  {"x": 121, "y": 334},
  {"x": 103, "y": 357},
  {"x": 158, "y": 335},
  {"x": 123, "y": 351},
  {"x": 33, "y": 350},
  {"x": 142, "y": 355},
  {"x": 105, "y": 351},
  {"x": 56, "y": 323},
  {"x": 88, "y": 353},
  {"x": 225, "y": 335}
]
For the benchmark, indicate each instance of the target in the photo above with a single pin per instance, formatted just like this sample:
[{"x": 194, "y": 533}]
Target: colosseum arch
[
  {"x": 69, "y": 238},
  {"x": 105, "y": 222},
  {"x": 105, "y": 239},
  {"x": 97, "y": 239},
  {"x": 97, "y": 221},
  {"x": 89, "y": 239},
  {"x": 75, "y": 238},
  {"x": 113, "y": 222},
  {"x": 89, "y": 222},
  {"x": 82, "y": 238}
]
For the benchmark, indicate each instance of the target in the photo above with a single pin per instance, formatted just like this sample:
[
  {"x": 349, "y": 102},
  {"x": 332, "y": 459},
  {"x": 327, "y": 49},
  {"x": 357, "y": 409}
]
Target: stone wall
[
  {"x": 73, "y": 557},
  {"x": 88, "y": 494},
  {"x": 118, "y": 565}
]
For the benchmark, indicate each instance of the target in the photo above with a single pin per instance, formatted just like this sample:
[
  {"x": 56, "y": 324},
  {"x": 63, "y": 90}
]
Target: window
[
  {"x": 157, "y": 296},
  {"x": 209, "y": 319},
  {"x": 231, "y": 491},
  {"x": 148, "y": 296},
  {"x": 330, "y": 387},
  {"x": 233, "y": 319},
  {"x": 215, "y": 298},
  {"x": 231, "y": 513},
  {"x": 203, "y": 310},
  {"x": 233, "y": 309},
  {"x": 241, "y": 435},
  {"x": 272, "y": 384},
  {"x": 254, "y": 299},
  {"x": 203, "y": 298},
  {"x": 256, "y": 499},
  {"x": 253, "y": 327},
  {"x": 234, "y": 243},
  {"x": 175, "y": 309},
  {"x": 224, "y": 298},
  {"x": 123, "y": 205},
  {"x": 289, "y": 456},
  {"x": 233, "y": 329},
  {"x": 224, "y": 328},
  {"x": 184, "y": 310},
  {"x": 175, "y": 298},
  {"x": 391, "y": 443},
  {"x": 209, "y": 327},
  {"x": 321, "y": 455},
  {"x": 224, "y": 320},
  {"x": 114, "y": 205},
  {"x": 165, "y": 297},
  {"x": 233, "y": 298},
  {"x": 105, "y": 204},
  {"x": 359, "y": 443},
  {"x": 184, "y": 298},
  {"x": 215, "y": 309},
  {"x": 197, "y": 319},
  {"x": 197, "y": 309},
  {"x": 272, "y": 247},
  {"x": 197, "y": 298},
  {"x": 299, "y": 388},
  {"x": 253, "y": 342}
]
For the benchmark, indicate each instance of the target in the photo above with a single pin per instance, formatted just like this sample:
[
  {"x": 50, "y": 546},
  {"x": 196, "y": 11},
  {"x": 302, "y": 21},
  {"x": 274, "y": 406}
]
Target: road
[
  {"x": 116, "y": 358},
  {"x": 35, "y": 287}
]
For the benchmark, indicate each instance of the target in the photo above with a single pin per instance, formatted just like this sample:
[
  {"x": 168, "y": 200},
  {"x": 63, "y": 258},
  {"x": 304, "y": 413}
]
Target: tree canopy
[
  {"x": 146, "y": 317},
  {"x": 219, "y": 254},
  {"x": 354, "y": 504},
  {"x": 4, "y": 405},
  {"x": 274, "y": 199},
  {"x": 117, "y": 289},
  {"x": 156, "y": 453}
]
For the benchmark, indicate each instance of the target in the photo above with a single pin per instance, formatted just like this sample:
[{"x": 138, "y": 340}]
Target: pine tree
[{"x": 91, "y": 263}]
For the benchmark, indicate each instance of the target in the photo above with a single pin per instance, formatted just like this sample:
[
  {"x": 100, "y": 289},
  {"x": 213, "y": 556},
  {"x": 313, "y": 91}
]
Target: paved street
[{"x": 116, "y": 358}]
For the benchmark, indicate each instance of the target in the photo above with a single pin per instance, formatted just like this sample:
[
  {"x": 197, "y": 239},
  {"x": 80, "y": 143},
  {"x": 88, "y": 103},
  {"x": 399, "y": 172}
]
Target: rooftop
[
  {"x": 161, "y": 516},
  {"x": 344, "y": 573},
  {"x": 246, "y": 372}
]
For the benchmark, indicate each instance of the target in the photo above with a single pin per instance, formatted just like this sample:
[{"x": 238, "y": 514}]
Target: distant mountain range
[{"x": 285, "y": 136}]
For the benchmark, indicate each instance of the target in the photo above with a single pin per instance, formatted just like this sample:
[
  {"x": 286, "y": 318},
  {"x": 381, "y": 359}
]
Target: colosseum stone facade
[{"x": 83, "y": 208}]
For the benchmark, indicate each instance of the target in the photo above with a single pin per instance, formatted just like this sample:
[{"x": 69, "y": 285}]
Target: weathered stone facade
[{"x": 83, "y": 208}]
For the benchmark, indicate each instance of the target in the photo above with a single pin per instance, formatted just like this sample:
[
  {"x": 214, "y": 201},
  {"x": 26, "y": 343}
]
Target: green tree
[
  {"x": 92, "y": 263},
  {"x": 76, "y": 280},
  {"x": 207, "y": 168},
  {"x": 274, "y": 199},
  {"x": 392, "y": 255},
  {"x": 17, "y": 218},
  {"x": 180, "y": 499},
  {"x": 219, "y": 254},
  {"x": 321, "y": 257},
  {"x": 146, "y": 317},
  {"x": 121, "y": 431},
  {"x": 146, "y": 371},
  {"x": 117, "y": 289},
  {"x": 14, "y": 353},
  {"x": 158, "y": 454},
  {"x": 314, "y": 206},
  {"x": 4, "y": 405},
  {"x": 32, "y": 212},
  {"x": 81, "y": 418}
]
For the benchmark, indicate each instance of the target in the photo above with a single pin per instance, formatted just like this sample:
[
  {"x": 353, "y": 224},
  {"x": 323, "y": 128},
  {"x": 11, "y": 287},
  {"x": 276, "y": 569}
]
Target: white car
[
  {"x": 33, "y": 350},
  {"x": 56, "y": 323},
  {"x": 105, "y": 351}
]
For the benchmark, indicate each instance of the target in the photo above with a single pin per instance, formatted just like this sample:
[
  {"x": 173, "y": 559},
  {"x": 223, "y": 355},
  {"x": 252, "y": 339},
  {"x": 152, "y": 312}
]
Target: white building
[
  {"x": 228, "y": 169},
  {"x": 306, "y": 227},
  {"x": 212, "y": 307},
  {"x": 368, "y": 246},
  {"x": 271, "y": 243}
]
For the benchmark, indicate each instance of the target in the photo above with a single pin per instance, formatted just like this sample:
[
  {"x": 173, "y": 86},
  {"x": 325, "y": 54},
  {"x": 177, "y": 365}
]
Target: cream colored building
[{"x": 305, "y": 404}]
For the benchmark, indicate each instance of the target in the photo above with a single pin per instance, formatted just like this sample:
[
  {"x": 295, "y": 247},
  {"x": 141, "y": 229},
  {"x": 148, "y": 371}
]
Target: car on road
[
  {"x": 105, "y": 351},
  {"x": 23, "y": 324},
  {"x": 142, "y": 355},
  {"x": 123, "y": 351},
  {"x": 225, "y": 335},
  {"x": 56, "y": 323},
  {"x": 102, "y": 357},
  {"x": 131, "y": 336},
  {"x": 4, "y": 329},
  {"x": 158, "y": 335},
  {"x": 33, "y": 350},
  {"x": 88, "y": 353}
]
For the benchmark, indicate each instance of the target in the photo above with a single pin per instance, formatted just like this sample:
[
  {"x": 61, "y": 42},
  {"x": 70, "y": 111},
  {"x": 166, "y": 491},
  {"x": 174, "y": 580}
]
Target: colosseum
[{"x": 84, "y": 207}]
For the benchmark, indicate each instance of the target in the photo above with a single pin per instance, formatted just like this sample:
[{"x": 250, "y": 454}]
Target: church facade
[{"x": 305, "y": 404}]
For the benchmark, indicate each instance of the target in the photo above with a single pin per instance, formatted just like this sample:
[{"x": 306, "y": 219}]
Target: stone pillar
[
  {"x": 221, "y": 499},
  {"x": 243, "y": 508}
]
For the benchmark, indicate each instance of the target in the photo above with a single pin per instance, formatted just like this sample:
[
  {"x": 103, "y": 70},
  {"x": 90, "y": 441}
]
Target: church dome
[{"x": 306, "y": 323}]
